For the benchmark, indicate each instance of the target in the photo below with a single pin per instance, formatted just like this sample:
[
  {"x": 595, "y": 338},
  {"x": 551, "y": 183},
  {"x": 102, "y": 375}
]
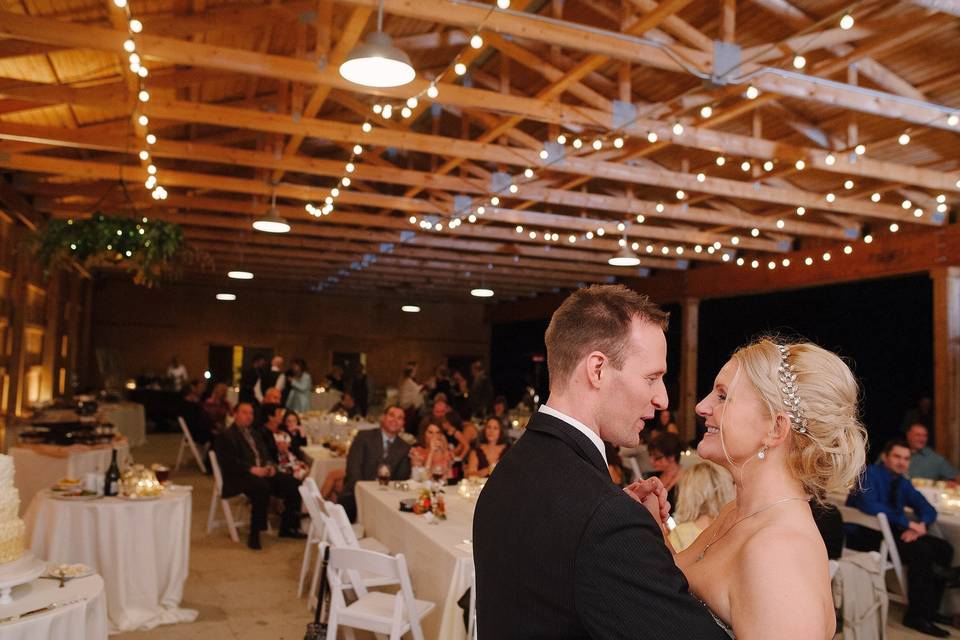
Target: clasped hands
[
  {"x": 913, "y": 531},
  {"x": 264, "y": 472},
  {"x": 653, "y": 495}
]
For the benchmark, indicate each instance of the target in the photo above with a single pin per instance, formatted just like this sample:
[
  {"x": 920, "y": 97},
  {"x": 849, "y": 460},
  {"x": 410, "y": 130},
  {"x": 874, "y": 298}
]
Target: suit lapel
[{"x": 580, "y": 443}]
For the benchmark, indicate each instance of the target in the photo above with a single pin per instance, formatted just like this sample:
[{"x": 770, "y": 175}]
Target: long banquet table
[{"x": 438, "y": 555}]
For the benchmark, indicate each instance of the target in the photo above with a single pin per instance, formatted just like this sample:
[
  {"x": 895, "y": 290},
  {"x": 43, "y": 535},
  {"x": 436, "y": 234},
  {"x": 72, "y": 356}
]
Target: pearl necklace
[{"x": 758, "y": 511}]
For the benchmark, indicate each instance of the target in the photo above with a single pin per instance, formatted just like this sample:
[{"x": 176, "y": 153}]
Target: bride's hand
[{"x": 651, "y": 494}]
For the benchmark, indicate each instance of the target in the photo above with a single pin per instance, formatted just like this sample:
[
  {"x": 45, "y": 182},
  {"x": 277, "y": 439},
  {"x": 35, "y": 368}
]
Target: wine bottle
[{"x": 111, "y": 485}]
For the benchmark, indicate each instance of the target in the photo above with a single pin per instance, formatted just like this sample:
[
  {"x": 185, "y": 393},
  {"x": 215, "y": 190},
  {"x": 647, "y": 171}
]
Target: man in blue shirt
[
  {"x": 924, "y": 461},
  {"x": 886, "y": 489}
]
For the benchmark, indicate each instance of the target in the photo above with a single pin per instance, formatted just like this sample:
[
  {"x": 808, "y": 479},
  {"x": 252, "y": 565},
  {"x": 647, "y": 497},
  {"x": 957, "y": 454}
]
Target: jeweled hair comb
[{"x": 790, "y": 391}]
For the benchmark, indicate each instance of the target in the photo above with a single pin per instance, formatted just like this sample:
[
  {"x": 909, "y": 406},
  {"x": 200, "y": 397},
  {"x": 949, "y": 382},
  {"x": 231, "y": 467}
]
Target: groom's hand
[{"x": 651, "y": 494}]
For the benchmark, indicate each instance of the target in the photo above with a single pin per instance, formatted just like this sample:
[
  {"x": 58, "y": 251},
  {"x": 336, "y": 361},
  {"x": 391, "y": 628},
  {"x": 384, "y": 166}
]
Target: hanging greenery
[{"x": 148, "y": 249}]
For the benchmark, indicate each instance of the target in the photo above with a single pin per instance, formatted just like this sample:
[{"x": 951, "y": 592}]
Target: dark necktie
[
  {"x": 386, "y": 447},
  {"x": 253, "y": 445}
]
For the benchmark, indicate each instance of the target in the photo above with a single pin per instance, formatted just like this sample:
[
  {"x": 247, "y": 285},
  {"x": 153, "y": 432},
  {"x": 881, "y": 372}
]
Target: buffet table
[
  {"x": 439, "y": 556},
  {"x": 40, "y": 466},
  {"x": 129, "y": 418},
  {"x": 80, "y": 612},
  {"x": 140, "y": 547}
]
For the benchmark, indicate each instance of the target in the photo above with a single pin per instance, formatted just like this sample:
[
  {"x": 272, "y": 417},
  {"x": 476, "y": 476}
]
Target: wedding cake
[{"x": 12, "y": 530}]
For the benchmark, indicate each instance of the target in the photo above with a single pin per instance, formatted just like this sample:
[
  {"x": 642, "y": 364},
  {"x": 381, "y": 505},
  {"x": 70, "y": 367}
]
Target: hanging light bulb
[
  {"x": 706, "y": 111},
  {"x": 618, "y": 143},
  {"x": 142, "y": 72},
  {"x": 752, "y": 92},
  {"x": 528, "y": 173},
  {"x": 846, "y": 22},
  {"x": 272, "y": 222},
  {"x": 366, "y": 127},
  {"x": 376, "y": 62},
  {"x": 144, "y": 155},
  {"x": 597, "y": 144},
  {"x": 406, "y": 112},
  {"x": 476, "y": 41},
  {"x": 432, "y": 91},
  {"x": 800, "y": 165},
  {"x": 830, "y": 160},
  {"x": 904, "y": 138},
  {"x": 799, "y": 62},
  {"x": 577, "y": 143},
  {"x": 953, "y": 120},
  {"x": 625, "y": 257},
  {"x": 503, "y": 4},
  {"x": 387, "y": 111},
  {"x": 860, "y": 149},
  {"x": 129, "y": 46},
  {"x": 721, "y": 161},
  {"x": 651, "y": 137},
  {"x": 561, "y": 139},
  {"x": 136, "y": 26},
  {"x": 459, "y": 68},
  {"x": 848, "y": 184},
  {"x": 677, "y": 129},
  {"x": 143, "y": 121}
]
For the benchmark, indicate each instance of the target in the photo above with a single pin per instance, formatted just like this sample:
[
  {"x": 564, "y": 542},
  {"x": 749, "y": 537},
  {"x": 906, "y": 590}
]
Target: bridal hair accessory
[{"x": 790, "y": 391}]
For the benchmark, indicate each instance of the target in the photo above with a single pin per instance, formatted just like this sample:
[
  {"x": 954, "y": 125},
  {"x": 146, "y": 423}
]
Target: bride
[{"x": 782, "y": 419}]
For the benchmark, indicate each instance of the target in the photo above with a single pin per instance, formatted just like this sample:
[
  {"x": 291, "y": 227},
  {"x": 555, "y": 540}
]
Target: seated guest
[
  {"x": 665, "y": 449},
  {"x": 372, "y": 448},
  {"x": 492, "y": 445},
  {"x": 924, "y": 461},
  {"x": 246, "y": 467},
  {"x": 272, "y": 396},
  {"x": 272, "y": 419},
  {"x": 702, "y": 493},
  {"x": 885, "y": 488},
  {"x": 298, "y": 435},
  {"x": 346, "y": 406},
  {"x": 432, "y": 452},
  {"x": 287, "y": 462},
  {"x": 441, "y": 412},
  {"x": 191, "y": 410},
  {"x": 217, "y": 408}
]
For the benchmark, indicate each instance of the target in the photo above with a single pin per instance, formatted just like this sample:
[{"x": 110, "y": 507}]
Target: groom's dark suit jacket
[{"x": 561, "y": 552}]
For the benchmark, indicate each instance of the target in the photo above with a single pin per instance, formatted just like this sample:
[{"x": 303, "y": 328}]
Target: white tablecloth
[
  {"x": 318, "y": 401},
  {"x": 321, "y": 462},
  {"x": 85, "y": 619},
  {"x": 129, "y": 418},
  {"x": 35, "y": 471},
  {"x": 439, "y": 564},
  {"x": 141, "y": 548},
  {"x": 327, "y": 426}
]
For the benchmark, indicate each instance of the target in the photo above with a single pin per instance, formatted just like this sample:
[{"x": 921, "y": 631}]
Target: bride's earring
[{"x": 763, "y": 452}]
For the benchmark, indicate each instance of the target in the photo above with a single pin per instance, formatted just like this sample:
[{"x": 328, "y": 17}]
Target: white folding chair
[
  {"x": 188, "y": 443},
  {"x": 332, "y": 535},
  {"x": 232, "y": 522},
  {"x": 889, "y": 556},
  {"x": 383, "y": 613},
  {"x": 339, "y": 519},
  {"x": 317, "y": 532}
]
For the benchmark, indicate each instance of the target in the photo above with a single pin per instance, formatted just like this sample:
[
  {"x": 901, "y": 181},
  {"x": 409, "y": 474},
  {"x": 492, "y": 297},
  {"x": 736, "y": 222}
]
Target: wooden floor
[{"x": 246, "y": 595}]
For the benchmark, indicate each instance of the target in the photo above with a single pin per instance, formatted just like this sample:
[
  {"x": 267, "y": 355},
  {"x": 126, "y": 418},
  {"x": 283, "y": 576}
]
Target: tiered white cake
[{"x": 13, "y": 532}]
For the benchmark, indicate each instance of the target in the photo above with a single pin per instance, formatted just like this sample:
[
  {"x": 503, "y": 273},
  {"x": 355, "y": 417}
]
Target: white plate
[
  {"x": 81, "y": 571},
  {"x": 75, "y": 498}
]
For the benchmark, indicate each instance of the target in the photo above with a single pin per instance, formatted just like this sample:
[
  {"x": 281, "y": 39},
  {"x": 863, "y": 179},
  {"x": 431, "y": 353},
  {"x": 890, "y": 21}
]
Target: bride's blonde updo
[{"x": 829, "y": 455}]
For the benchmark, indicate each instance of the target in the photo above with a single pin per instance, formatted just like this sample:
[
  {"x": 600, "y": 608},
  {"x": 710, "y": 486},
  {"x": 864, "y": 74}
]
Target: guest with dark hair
[
  {"x": 346, "y": 406},
  {"x": 492, "y": 445},
  {"x": 247, "y": 468},
  {"x": 500, "y": 412},
  {"x": 459, "y": 397},
  {"x": 272, "y": 419},
  {"x": 432, "y": 451},
  {"x": 301, "y": 386},
  {"x": 372, "y": 449},
  {"x": 885, "y": 489},
  {"x": 665, "y": 450},
  {"x": 298, "y": 435}
]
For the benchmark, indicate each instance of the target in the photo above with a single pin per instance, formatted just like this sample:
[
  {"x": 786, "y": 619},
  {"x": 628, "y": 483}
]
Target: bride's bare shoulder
[{"x": 782, "y": 571}]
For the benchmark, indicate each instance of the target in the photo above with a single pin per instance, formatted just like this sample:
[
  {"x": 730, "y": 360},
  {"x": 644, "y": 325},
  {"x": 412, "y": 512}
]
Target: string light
[
  {"x": 801, "y": 211},
  {"x": 432, "y": 91},
  {"x": 846, "y": 22},
  {"x": 831, "y": 197},
  {"x": 476, "y": 41},
  {"x": 875, "y": 197},
  {"x": 848, "y": 184},
  {"x": 561, "y": 139},
  {"x": 800, "y": 164},
  {"x": 366, "y": 127},
  {"x": 904, "y": 139},
  {"x": 894, "y": 227},
  {"x": 860, "y": 149},
  {"x": 503, "y": 4},
  {"x": 745, "y": 165},
  {"x": 867, "y": 239},
  {"x": 752, "y": 92},
  {"x": 651, "y": 137},
  {"x": 618, "y": 143},
  {"x": 799, "y": 62},
  {"x": 721, "y": 161},
  {"x": 830, "y": 160},
  {"x": 577, "y": 143},
  {"x": 677, "y": 129},
  {"x": 136, "y": 26},
  {"x": 460, "y": 68},
  {"x": 129, "y": 46},
  {"x": 706, "y": 111},
  {"x": 768, "y": 165},
  {"x": 597, "y": 144},
  {"x": 808, "y": 261},
  {"x": 953, "y": 120}
]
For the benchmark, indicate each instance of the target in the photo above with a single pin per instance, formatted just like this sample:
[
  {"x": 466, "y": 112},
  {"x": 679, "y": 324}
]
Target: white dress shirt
[{"x": 579, "y": 426}]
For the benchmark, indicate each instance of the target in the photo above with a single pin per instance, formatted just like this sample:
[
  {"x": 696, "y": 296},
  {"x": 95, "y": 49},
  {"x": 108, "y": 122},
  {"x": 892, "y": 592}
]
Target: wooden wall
[
  {"x": 143, "y": 328},
  {"x": 41, "y": 326}
]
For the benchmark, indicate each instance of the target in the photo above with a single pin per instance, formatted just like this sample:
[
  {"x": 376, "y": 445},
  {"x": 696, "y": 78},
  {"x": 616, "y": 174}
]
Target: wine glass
[
  {"x": 437, "y": 472},
  {"x": 383, "y": 476}
]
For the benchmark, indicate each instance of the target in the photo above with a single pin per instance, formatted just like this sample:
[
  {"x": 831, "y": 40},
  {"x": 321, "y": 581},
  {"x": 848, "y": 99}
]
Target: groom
[{"x": 560, "y": 551}]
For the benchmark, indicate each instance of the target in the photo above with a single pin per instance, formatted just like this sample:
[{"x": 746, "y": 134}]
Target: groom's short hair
[{"x": 596, "y": 318}]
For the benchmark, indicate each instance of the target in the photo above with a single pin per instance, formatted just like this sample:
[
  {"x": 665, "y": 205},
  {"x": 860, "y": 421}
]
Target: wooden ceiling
[{"x": 246, "y": 103}]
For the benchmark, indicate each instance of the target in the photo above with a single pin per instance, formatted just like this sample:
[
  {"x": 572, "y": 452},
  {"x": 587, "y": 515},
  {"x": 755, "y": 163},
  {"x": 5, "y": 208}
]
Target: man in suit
[
  {"x": 584, "y": 559},
  {"x": 371, "y": 449},
  {"x": 247, "y": 468}
]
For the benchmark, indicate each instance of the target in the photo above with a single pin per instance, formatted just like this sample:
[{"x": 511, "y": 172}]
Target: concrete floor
[{"x": 247, "y": 595}]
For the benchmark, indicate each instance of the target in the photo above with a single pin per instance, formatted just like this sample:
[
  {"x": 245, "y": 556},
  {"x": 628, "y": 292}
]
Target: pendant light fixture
[
  {"x": 625, "y": 257},
  {"x": 376, "y": 62},
  {"x": 272, "y": 222}
]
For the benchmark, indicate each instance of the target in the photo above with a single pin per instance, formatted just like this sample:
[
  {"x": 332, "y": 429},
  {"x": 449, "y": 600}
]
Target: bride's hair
[{"x": 829, "y": 454}]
